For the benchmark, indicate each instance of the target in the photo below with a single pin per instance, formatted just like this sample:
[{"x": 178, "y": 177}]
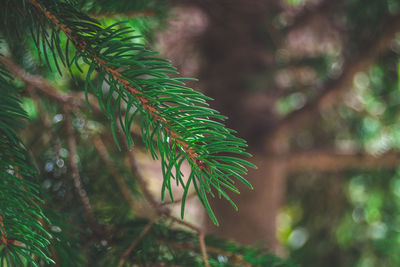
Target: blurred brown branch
[{"x": 321, "y": 161}]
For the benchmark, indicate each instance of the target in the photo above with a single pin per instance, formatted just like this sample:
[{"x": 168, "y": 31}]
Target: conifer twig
[
  {"x": 117, "y": 75},
  {"x": 203, "y": 249},
  {"x": 187, "y": 129}
]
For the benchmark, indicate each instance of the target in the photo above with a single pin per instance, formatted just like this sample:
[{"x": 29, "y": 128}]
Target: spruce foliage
[{"x": 20, "y": 214}]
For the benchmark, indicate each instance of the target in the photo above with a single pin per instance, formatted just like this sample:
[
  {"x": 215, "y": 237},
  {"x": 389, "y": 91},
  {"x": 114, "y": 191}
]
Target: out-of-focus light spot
[
  {"x": 55, "y": 228},
  {"x": 377, "y": 230},
  {"x": 47, "y": 184},
  {"x": 283, "y": 79},
  {"x": 222, "y": 258},
  {"x": 336, "y": 69},
  {"x": 57, "y": 118},
  {"x": 373, "y": 215},
  {"x": 60, "y": 163},
  {"x": 292, "y": 102},
  {"x": 49, "y": 166},
  {"x": 380, "y": 144},
  {"x": 284, "y": 226},
  {"x": 63, "y": 153},
  {"x": 358, "y": 214},
  {"x": 361, "y": 80},
  {"x": 283, "y": 220},
  {"x": 11, "y": 171},
  {"x": 357, "y": 192},
  {"x": 79, "y": 123},
  {"x": 298, "y": 238},
  {"x": 346, "y": 145},
  {"x": 29, "y": 106}
]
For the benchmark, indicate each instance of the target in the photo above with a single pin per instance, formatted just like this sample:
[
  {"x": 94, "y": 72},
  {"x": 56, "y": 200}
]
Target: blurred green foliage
[{"x": 351, "y": 218}]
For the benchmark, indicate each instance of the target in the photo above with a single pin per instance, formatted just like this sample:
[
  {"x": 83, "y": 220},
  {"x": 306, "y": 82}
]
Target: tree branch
[
  {"x": 73, "y": 100},
  {"x": 331, "y": 161},
  {"x": 117, "y": 75},
  {"x": 203, "y": 249},
  {"x": 334, "y": 89}
]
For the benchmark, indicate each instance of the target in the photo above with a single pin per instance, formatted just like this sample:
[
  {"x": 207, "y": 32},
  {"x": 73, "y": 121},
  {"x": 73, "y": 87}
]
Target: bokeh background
[{"x": 313, "y": 86}]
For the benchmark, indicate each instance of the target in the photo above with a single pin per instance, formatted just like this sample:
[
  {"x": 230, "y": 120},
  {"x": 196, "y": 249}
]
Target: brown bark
[{"x": 325, "y": 161}]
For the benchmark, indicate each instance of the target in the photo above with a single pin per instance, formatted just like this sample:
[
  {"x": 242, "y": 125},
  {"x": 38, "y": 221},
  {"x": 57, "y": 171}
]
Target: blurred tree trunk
[
  {"x": 238, "y": 63},
  {"x": 236, "y": 49},
  {"x": 258, "y": 208}
]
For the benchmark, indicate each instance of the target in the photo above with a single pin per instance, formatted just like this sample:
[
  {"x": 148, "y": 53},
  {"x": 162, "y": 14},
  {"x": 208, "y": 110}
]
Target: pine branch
[
  {"x": 179, "y": 118},
  {"x": 23, "y": 237}
]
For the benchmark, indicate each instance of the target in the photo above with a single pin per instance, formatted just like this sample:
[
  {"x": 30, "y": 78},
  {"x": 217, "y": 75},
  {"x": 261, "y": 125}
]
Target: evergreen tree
[{"x": 81, "y": 208}]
